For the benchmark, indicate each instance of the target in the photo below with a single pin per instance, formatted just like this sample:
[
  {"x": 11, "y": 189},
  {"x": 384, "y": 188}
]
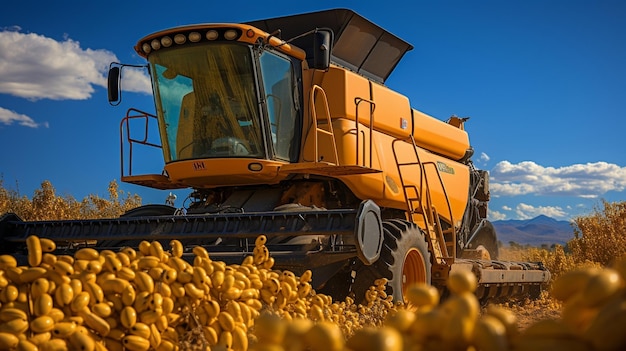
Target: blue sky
[{"x": 544, "y": 83}]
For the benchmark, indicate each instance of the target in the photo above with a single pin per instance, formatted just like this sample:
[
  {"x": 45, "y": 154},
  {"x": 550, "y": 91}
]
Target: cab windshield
[{"x": 206, "y": 97}]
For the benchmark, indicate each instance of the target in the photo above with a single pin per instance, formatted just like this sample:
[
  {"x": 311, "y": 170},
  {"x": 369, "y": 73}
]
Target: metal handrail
[
  {"x": 125, "y": 125},
  {"x": 372, "y": 104},
  {"x": 330, "y": 131}
]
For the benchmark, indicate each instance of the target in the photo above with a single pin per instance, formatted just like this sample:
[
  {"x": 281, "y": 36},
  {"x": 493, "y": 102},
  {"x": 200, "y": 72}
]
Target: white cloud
[
  {"x": 506, "y": 208},
  {"x": 8, "y": 117},
  {"x": 496, "y": 215},
  {"x": 525, "y": 211},
  {"x": 35, "y": 67},
  {"x": 136, "y": 80},
  {"x": 589, "y": 180},
  {"x": 484, "y": 157}
]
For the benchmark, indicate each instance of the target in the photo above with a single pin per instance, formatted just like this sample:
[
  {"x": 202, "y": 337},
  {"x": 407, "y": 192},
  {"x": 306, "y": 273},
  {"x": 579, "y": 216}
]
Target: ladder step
[{"x": 324, "y": 131}]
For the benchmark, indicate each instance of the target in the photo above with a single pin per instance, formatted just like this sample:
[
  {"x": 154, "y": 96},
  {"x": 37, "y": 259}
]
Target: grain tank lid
[{"x": 359, "y": 44}]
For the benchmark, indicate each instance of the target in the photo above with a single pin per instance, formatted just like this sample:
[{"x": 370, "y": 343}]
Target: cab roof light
[
  {"x": 230, "y": 34},
  {"x": 194, "y": 37},
  {"x": 155, "y": 44},
  {"x": 180, "y": 39},
  {"x": 146, "y": 48},
  {"x": 212, "y": 34},
  {"x": 166, "y": 41}
]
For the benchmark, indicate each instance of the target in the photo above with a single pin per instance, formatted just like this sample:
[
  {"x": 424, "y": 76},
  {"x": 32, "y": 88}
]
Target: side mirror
[
  {"x": 322, "y": 41},
  {"x": 114, "y": 85}
]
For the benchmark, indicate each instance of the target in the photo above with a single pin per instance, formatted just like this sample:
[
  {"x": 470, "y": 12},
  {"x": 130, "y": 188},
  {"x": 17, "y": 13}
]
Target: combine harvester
[{"x": 284, "y": 127}]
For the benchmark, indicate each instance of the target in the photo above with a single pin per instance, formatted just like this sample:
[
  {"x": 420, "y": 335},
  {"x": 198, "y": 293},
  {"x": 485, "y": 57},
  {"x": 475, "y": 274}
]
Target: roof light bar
[{"x": 182, "y": 38}]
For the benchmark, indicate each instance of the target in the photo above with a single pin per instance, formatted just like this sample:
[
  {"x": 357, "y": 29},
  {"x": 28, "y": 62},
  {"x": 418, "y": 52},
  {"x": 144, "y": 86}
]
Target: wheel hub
[{"x": 413, "y": 270}]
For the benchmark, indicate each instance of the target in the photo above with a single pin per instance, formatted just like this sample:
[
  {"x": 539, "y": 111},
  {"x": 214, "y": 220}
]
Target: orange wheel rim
[{"x": 414, "y": 269}]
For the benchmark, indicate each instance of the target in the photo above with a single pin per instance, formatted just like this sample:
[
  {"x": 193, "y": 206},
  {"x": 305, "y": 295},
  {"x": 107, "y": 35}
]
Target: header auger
[{"x": 284, "y": 127}]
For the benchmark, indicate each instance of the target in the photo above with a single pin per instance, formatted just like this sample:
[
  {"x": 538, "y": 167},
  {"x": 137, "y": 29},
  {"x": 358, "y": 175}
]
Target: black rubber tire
[
  {"x": 404, "y": 250},
  {"x": 487, "y": 238}
]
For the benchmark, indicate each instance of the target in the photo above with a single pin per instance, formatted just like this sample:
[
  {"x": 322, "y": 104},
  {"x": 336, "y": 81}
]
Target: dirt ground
[
  {"x": 530, "y": 312},
  {"x": 528, "y": 316}
]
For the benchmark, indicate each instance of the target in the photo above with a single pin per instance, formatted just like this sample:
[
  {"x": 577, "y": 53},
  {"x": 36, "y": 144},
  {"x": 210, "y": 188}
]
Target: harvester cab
[
  {"x": 225, "y": 92},
  {"x": 285, "y": 127}
]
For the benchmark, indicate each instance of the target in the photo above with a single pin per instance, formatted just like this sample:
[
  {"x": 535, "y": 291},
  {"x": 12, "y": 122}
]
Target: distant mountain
[{"x": 534, "y": 232}]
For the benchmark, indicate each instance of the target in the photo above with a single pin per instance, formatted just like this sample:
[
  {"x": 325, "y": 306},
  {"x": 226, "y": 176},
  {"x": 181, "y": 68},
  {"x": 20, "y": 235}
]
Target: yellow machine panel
[
  {"x": 225, "y": 171},
  {"x": 385, "y": 187},
  {"x": 344, "y": 86},
  {"x": 392, "y": 111},
  {"x": 439, "y": 146},
  {"x": 440, "y": 137},
  {"x": 354, "y": 96}
]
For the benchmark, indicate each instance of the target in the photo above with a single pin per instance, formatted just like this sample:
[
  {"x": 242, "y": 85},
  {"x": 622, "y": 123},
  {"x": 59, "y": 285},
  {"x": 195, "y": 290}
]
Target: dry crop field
[{"x": 148, "y": 298}]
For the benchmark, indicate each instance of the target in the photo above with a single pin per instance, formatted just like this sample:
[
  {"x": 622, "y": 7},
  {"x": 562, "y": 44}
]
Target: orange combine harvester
[{"x": 285, "y": 127}]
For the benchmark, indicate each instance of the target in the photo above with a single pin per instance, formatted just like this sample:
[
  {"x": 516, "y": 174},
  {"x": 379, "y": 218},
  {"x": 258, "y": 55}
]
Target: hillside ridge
[{"x": 537, "y": 231}]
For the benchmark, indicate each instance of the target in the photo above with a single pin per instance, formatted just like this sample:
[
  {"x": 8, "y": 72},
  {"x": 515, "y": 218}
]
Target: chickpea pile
[
  {"x": 593, "y": 318},
  {"x": 150, "y": 298}
]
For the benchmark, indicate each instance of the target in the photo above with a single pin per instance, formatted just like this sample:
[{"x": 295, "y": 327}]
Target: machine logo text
[{"x": 442, "y": 167}]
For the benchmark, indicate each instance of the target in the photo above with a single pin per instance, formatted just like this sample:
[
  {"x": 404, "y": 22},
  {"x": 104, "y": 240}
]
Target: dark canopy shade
[{"x": 359, "y": 44}]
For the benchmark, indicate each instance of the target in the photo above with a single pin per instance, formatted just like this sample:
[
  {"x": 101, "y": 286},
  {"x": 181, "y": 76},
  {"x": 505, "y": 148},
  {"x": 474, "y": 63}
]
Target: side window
[
  {"x": 171, "y": 88},
  {"x": 279, "y": 94}
]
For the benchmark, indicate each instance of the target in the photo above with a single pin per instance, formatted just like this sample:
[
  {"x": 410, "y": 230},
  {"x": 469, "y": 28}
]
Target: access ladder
[{"x": 420, "y": 208}]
